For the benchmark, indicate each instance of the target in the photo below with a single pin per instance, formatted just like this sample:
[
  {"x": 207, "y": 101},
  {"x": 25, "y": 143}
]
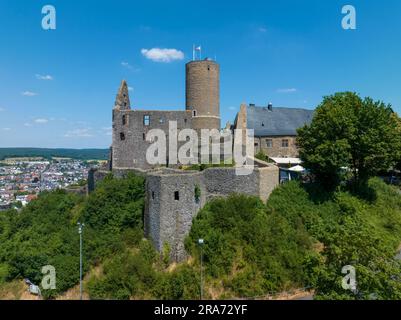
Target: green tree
[{"x": 350, "y": 132}]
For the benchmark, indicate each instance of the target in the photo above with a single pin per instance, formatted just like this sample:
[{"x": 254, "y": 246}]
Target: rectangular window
[
  {"x": 269, "y": 143},
  {"x": 176, "y": 195},
  {"x": 153, "y": 195},
  {"x": 122, "y": 136},
  {"x": 124, "y": 120},
  {"x": 284, "y": 143},
  {"x": 146, "y": 120}
]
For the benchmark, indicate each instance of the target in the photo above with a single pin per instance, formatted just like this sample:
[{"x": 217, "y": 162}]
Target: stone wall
[
  {"x": 130, "y": 152},
  {"x": 171, "y": 202},
  {"x": 268, "y": 181},
  {"x": 277, "y": 150},
  {"x": 168, "y": 219},
  {"x": 224, "y": 181},
  {"x": 171, "y": 207}
]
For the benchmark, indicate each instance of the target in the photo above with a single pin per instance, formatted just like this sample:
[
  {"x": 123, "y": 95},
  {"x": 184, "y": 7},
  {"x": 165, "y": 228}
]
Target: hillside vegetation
[
  {"x": 302, "y": 237},
  {"x": 79, "y": 154}
]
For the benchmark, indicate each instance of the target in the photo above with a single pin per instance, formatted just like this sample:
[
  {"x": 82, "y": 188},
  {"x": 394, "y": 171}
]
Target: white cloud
[
  {"x": 44, "y": 77},
  {"x": 41, "y": 121},
  {"x": 81, "y": 123},
  {"x": 79, "y": 133},
  {"x": 6, "y": 129},
  {"x": 2, "y": 109},
  {"x": 232, "y": 108},
  {"x": 162, "y": 55},
  {"x": 29, "y": 94},
  {"x": 107, "y": 131},
  {"x": 27, "y": 124},
  {"x": 126, "y": 65},
  {"x": 130, "y": 89},
  {"x": 287, "y": 90},
  {"x": 262, "y": 29}
]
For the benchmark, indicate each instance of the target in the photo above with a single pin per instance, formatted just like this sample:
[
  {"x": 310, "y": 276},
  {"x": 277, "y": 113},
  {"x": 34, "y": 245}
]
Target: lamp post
[
  {"x": 80, "y": 230},
  {"x": 201, "y": 242}
]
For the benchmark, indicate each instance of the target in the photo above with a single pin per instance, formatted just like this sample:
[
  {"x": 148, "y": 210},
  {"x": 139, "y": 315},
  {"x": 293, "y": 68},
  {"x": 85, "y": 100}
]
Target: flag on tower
[{"x": 195, "y": 49}]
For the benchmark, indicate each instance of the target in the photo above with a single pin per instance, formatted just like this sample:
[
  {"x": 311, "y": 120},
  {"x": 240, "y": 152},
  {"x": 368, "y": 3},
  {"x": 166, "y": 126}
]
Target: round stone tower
[{"x": 203, "y": 93}]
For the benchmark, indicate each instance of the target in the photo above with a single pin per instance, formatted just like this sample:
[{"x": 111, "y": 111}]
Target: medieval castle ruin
[{"x": 174, "y": 194}]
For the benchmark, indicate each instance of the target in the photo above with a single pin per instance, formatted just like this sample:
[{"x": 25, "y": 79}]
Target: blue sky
[{"x": 57, "y": 87}]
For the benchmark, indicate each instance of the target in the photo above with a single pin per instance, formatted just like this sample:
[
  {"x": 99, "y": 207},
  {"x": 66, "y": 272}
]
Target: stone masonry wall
[
  {"x": 171, "y": 205},
  {"x": 131, "y": 152},
  {"x": 203, "y": 93},
  {"x": 277, "y": 150},
  {"x": 169, "y": 220},
  {"x": 224, "y": 181}
]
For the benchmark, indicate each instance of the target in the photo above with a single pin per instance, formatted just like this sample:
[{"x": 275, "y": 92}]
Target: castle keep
[{"x": 174, "y": 196}]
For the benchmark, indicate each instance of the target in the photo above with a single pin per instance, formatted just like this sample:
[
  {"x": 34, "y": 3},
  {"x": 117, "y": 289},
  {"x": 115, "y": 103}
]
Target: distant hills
[{"x": 80, "y": 154}]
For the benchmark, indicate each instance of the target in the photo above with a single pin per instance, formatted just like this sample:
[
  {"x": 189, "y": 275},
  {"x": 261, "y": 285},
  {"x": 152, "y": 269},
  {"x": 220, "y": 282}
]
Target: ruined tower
[
  {"x": 122, "y": 107},
  {"x": 203, "y": 93},
  {"x": 122, "y": 99}
]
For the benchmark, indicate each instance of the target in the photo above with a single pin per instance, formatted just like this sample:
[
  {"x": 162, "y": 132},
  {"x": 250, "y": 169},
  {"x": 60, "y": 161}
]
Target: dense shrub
[
  {"x": 302, "y": 237},
  {"x": 244, "y": 240},
  {"x": 45, "y": 232}
]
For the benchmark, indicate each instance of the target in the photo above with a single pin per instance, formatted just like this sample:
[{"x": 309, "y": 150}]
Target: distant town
[{"x": 22, "y": 179}]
